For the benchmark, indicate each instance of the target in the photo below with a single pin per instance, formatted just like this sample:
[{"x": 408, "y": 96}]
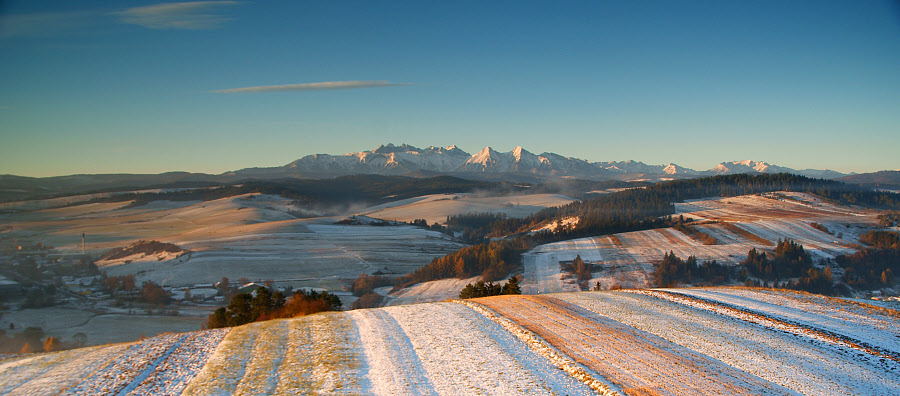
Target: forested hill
[
  {"x": 360, "y": 188},
  {"x": 625, "y": 211},
  {"x": 633, "y": 209}
]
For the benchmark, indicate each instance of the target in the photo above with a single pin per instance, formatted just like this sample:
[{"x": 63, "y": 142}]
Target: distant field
[
  {"x": 436, "y": 208},
  {"x": 631, "y": 342},
  {"x": 250, "y": 236}
]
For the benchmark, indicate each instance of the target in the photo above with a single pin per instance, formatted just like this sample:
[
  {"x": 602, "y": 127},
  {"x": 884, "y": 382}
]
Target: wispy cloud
[
  {"x": 195, "y": 15},
  {"x": 319, "y": 86}
]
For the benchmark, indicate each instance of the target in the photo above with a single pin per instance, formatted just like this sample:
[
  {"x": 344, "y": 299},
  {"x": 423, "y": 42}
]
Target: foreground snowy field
[{"x": 630, "y": 342}]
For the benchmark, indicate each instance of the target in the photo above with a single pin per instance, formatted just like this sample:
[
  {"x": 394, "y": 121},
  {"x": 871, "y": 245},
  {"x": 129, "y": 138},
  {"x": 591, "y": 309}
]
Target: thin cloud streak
[
  {"x": 195, "y": 15},
  {"x": 319, "y": 86}
]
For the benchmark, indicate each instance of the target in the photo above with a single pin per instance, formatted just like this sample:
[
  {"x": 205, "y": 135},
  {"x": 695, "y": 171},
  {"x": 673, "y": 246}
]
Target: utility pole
[{"x": 82, "y": 243}]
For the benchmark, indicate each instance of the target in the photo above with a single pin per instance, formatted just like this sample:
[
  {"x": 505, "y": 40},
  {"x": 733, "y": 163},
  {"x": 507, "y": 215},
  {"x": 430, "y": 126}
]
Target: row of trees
[
  {"x": 672, "y": 271},
  {"x": 491, "y": 261},
  {"x": 790, "y": 266},
  {"x": 790, "y": 260},
  {"x": 343, "y": 190},
  {"x": 482, "y": 289},
  {"x": 263, "y": 304},
  {"x": 881, "y": 239},
  {"x": 875, "y": 266}
]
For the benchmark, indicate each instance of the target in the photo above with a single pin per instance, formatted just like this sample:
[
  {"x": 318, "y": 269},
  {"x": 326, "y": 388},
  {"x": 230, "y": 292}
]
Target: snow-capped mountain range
[{"x": 406, "y": 160}]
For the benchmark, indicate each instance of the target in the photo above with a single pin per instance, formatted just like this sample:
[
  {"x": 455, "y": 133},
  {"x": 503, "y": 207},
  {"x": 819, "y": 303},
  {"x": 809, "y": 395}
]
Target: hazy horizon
[{"x": 471, "y": 152}]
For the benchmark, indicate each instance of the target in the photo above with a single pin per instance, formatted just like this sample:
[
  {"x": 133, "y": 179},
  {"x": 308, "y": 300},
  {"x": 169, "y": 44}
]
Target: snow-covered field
[
  {"x": 626, "y": 259},
  {"x": 249, "y": 236},
  {"x": 65, "y": 322},
  {"x": 831, "y": 315},
  {"x": 626, "y": 342},
  {"x": 804, "y": 365},
  {"x": 635, "y": 361},
  {"x": 439, "y": 290},
  {"x": 436, "y": 208}
]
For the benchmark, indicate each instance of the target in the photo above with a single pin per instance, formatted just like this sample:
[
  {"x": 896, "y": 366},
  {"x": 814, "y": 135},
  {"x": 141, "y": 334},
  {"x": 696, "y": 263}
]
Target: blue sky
[{"x": 148, "y": 87}]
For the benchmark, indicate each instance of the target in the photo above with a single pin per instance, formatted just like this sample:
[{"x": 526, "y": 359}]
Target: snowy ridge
[{"x": 405, "y": 159}]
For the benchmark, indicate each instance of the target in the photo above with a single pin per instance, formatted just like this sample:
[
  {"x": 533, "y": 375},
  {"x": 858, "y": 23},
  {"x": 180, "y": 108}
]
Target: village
[{"x": 66, "y": 297}]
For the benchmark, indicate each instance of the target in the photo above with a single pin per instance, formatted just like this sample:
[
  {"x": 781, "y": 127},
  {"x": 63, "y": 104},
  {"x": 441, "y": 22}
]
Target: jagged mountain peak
[
  {"x": 486, "y": 153},
  {"x": 521, "y": 154},
  {"x": 403, "y": 159},
  {"x": 391, "y": 148}
]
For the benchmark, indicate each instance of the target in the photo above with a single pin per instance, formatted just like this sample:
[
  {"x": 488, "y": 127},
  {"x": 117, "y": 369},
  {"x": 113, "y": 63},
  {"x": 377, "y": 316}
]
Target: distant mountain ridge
[
  {"x": 410, "y": 160},
  {"x": 885, "y": 178},
  {"x": 516, "y": 166}
]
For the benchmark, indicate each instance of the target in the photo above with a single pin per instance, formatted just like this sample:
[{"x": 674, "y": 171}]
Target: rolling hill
[{"x": 629, "y": 342}]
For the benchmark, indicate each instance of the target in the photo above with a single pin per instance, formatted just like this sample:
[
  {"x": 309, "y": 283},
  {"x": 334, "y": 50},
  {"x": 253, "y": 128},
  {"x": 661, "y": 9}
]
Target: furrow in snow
[
  {"x": 763, "y": 319},
  {"x": 181, "y": 365},
  {"x": 465, "y": 353},
  {"x": 393, "y": 367},
  {"x": 225, "y": 368},
  {"x": 871, "y": 326},
  {"x": 634, "y": 360},
  {"x": 323, "y": 357},
  {"x": 546, "y": 350},
  {"x": 261, "y": 373},
  {"x": 781, "y": 358},
  {"x": 51, "y": 373},
  {"x": 126, "y": 368}
]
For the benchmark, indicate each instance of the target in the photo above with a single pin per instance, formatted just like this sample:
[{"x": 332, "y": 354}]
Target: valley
[{"x": 274, "y": 240}]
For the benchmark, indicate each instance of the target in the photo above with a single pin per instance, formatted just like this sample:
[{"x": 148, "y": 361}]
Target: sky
[{"x": 214, "y": 86}]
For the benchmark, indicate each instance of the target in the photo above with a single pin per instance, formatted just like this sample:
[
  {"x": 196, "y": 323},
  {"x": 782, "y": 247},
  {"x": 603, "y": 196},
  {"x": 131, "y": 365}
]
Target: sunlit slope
[
  {"x": 252, "y": 236},
  {"x": 737, "y": 224},
  {"x": 109, "y": 225},
  {"x": 668, "y": 342}
]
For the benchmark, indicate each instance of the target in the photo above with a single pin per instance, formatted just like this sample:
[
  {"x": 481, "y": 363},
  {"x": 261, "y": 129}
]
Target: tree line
[
  {"x": 356, "y": 188},
  {"x": 482, "y": 289},
  {"x": 672, "y": 271},
  {"x": 791, "y": 267},
  {"x": 876, "y": 265},
  {"x": 625, "y": 211},
  {"x": 263, "y": 304}
]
